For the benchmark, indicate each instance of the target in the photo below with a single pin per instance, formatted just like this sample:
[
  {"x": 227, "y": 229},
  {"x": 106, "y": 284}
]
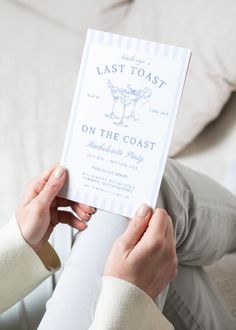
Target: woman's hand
[
  {"x": 145, "y": 254},
  {"x": 38, "y": 213}
]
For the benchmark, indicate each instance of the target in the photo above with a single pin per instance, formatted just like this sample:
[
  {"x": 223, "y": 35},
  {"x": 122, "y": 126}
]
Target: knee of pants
[{"x": 194, "y": 303}]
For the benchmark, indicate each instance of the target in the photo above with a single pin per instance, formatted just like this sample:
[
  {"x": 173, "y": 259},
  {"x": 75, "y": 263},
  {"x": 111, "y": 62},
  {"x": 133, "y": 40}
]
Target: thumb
[
  {"x": 53, "y": 185},
  {"x": 137, "y": 227}
]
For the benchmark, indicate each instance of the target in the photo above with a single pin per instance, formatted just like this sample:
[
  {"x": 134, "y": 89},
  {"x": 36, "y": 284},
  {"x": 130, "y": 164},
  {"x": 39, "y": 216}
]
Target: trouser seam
[{"x": 187, "y": 309}]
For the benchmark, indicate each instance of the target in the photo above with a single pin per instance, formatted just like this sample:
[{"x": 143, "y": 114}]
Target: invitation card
[{"x": 122, "y": 119}]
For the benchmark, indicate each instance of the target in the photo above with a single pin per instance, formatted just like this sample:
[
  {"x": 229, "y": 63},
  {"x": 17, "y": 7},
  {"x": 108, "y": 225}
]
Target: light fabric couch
[{"x": 40, "y": 51}]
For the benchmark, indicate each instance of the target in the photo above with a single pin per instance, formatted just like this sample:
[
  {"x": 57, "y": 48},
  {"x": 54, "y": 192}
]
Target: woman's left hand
[{"x": 38, "y": 213}]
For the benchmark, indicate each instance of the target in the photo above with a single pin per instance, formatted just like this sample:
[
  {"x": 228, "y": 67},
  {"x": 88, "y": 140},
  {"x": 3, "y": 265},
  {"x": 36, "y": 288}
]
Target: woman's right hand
[{"x": 145, "y": 255}]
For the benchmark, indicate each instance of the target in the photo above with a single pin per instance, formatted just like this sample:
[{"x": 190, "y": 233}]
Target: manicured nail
[
  {"x": 58, "y": 172},
  {"x": 92, "y": 211},
  {"x": 142, "y": 211},
  {"x": 84, "y": 226}
]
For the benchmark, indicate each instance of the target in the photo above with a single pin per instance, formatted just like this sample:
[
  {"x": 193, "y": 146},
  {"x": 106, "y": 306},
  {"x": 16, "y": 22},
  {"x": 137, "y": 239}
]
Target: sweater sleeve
[
  {"x": 122, "y": 305},
  {"x": 21, "y": 268}
]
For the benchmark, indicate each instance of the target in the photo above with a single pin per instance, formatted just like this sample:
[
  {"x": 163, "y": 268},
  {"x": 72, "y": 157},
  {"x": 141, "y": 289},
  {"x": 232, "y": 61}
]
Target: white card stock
[{"x": 122, "y": 119}]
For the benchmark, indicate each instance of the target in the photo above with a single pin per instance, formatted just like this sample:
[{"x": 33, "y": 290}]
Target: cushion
[
  {"x": 206, "y": 27},
  {"x": 209, "y": 29},
  {"x": 78, "y": 15}
]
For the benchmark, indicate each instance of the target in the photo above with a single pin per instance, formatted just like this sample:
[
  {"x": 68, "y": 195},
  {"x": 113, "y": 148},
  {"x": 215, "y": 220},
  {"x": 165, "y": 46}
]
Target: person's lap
[{"x": 204, "y": 218}]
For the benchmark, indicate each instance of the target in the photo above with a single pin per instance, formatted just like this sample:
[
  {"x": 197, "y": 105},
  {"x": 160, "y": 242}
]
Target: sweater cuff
[
  {"x": 49, "y": 257},
  {"x": 122, "y": 305},
  {"x": 20, "y": 266}
]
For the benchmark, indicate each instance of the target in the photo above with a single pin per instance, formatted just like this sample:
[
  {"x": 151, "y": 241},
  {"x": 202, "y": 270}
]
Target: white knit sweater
[{"x": 21, "y": 270}]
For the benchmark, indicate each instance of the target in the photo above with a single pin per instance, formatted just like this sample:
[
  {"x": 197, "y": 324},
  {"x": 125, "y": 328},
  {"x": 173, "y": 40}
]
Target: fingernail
[
  {"x": 142, "y": 211},
  {"x": 85, "y": 226},
  {"x": 58, "y": 172},
  {"x": 93, "y": 210}
]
